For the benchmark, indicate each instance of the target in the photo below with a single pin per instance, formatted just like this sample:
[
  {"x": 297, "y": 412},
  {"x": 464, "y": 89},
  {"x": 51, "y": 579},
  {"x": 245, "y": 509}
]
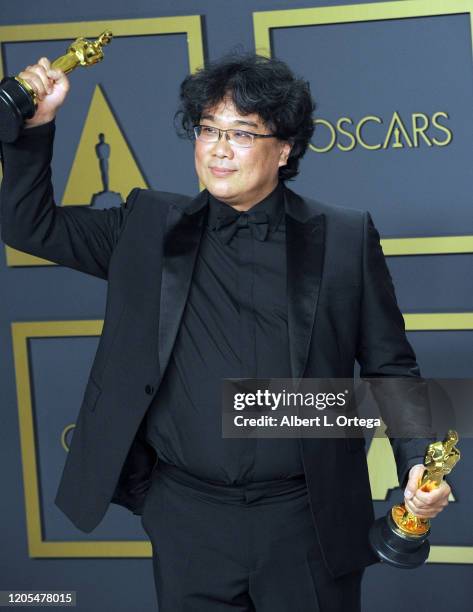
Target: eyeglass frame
[{"x": 220, "y": 132}]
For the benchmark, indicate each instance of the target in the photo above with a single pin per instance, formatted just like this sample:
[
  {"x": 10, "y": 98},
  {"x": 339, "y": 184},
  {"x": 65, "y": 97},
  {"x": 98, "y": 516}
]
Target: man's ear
[{"x": 285, "y": 152}]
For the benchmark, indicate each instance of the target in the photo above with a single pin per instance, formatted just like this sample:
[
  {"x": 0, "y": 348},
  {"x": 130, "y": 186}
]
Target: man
[{"x": 247, "y": 279}]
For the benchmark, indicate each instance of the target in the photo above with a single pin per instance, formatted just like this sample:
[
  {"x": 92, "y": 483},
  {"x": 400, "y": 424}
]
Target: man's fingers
[
  {"x": 42, "y": 78},
  {"x": 430, "y": 513},
  {"x": 415, "y": 473},
  {"x": 51, "y": 87},
  {"x": 416, "y": 505},
  {"x": 430, "y": 500},
  {"x": 43, "y": 75},
  {"x": 424, "y": 498},
  {"x": 420, "y": 505},
  {"x": 428, "y": 505},
  {"x": 33, "y": 79},
  {"x": 59, "y": 77},
  {"x": 440, "y": 492},
  {"x": 424, "y": 504},
  {"x": 37, "y": 77},
  {"x": 45, "y": 63},
  {"x": 435, "y": 499}
]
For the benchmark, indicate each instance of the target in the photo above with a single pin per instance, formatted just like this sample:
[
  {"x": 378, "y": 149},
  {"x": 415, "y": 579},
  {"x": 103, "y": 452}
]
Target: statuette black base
[
  {"x": 398, "y": 549},
  {"x": 16, "y": 105}
]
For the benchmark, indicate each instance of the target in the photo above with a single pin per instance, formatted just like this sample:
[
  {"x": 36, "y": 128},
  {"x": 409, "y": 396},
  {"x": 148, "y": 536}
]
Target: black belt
[{"x": 232, "y": 493}]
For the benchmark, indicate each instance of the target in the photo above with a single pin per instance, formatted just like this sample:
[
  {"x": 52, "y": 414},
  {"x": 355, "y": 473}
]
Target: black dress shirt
[{"x": 234, "y": 326}]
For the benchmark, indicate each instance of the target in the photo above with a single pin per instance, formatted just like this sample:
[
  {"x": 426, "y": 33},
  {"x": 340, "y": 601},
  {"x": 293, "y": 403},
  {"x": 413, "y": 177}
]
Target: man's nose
[{"x": 223, "y": 148}]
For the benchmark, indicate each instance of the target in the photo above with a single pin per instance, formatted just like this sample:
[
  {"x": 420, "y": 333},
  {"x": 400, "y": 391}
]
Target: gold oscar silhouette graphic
[{"x": 104, "y": 198}]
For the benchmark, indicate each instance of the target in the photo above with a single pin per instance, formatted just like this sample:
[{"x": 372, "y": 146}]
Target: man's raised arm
[{"x": 75, "y": 236}]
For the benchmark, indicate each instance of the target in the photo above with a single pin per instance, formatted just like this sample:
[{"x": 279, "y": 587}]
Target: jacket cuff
[
  {"x": 33, "y": 139},
  {"x": 39, "y": 131}
]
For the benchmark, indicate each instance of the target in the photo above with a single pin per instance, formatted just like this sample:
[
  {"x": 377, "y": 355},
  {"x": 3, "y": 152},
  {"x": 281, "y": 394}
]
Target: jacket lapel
[
  {"x": 305, "y": 236},
  {"x": 184, "y": 227}
]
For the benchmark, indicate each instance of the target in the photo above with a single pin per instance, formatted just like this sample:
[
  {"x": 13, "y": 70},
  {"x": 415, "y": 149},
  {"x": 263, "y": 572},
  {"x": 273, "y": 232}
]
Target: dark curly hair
[{"x": 255, "y": 84}]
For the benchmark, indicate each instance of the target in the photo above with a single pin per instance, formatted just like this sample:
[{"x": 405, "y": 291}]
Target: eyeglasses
[{"x": 239, "y": 138}]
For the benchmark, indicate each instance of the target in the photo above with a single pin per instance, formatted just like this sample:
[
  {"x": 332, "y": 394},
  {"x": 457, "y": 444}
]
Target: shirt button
[
  {"x": 242, "y": 220},
  {"x": 149, "y": 389}
]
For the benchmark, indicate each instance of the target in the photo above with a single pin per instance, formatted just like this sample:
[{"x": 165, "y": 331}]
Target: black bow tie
[{"x": 228, "y": 224}]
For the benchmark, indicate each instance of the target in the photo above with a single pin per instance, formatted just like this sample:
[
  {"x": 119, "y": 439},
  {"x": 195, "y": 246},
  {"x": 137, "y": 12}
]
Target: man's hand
[
  {"x": 51, "y": 87},
  {"x": 421, "y": 503}
]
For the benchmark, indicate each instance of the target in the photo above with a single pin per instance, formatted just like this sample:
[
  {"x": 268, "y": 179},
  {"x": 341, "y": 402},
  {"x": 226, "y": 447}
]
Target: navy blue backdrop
[{"x": 394, "y": 122}]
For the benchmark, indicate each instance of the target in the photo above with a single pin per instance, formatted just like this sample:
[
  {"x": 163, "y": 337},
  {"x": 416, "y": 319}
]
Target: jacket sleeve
[
  {"x": 78, "y": 237},
  {"x": 384, "y": 351}
]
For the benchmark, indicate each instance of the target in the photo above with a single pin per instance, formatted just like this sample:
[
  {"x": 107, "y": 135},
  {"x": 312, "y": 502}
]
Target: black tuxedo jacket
[{"x": 341, "y": 308}]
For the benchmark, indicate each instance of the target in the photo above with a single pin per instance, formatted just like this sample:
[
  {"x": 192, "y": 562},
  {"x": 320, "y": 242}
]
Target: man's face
[{"x": 238, "y": 176}]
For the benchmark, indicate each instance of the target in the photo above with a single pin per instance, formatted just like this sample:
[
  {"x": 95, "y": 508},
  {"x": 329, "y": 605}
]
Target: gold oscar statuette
[
  {"x": 400, "y": 537},
  {"x": 18, "y": 99}
]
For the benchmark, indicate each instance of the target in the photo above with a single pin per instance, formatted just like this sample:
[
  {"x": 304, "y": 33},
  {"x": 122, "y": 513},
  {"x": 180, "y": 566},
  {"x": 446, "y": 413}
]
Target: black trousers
[{"x": 219, "y": 548}]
